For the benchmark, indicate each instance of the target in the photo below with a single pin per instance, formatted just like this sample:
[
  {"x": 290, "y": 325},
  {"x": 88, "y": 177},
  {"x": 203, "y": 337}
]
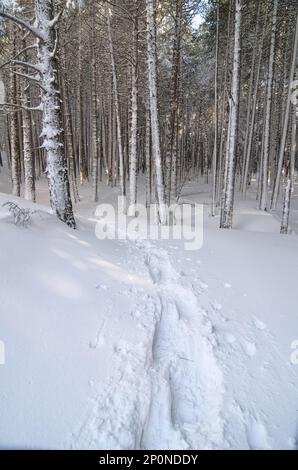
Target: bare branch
[
  {"x": 23, "y": 23},
  {"x": 27, "y": 64},
  {"x": 33, "y": 46},
  {"x": 31, "y": 78}
]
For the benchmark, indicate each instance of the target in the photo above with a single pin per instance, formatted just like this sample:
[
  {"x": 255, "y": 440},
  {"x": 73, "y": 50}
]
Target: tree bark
[
  {"x": 230, "y": 168},
  {"x": 290, "y": 178},
  {"x": 215, "y": 148},
  {"x": 133, "y": 167},
  {"x": 117, "y": 111},
  {"x": 286, "y": 122},
  {"x": 52, "y": 122},
  {"x": 155, "y": 132},
  {"x": 267, "y": 130}
]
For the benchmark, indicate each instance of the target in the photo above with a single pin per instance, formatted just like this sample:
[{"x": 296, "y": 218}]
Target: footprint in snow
[
  {"x": 260, "y": 325},
  {"x": 217, "y": 307},
  {"x": 230, "y": 338},
  {"x": 97, "y": 342},
  {"x": 203, "y": 285},
  {"x": 257, "y": 435},
  {"x": 102, "y": 286},
  {"x": 249, "y": 348}
]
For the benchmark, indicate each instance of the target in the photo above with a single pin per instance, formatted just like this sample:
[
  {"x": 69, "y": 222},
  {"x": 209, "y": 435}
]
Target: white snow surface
[{"x": 142, "y": 345}]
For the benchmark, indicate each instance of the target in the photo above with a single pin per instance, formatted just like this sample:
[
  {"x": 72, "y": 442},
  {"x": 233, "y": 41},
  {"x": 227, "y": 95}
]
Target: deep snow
[{"x": 129, "y": 345}]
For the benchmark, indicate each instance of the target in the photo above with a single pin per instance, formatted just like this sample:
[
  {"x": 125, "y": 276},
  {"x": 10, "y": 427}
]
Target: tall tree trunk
[
  {"x": 155, "y": 133},
  {"x": 148, "y": 156},
  {"x": 251, "y": 124},
  {"x": 286, "y": 122},
  {"x": 52, "y": 122},
  {"x": 267, "y": 128},
  {"x": 15, "y": 151},
  {"x": 215, "y": 148},
  {"x": 133, "y": 167},
  {"x": 95, "y": 144},
  {"x": 224, "y": 123},
  {"x": 81, "y": 115},
  {"x": 290, "y": 178},
  {"x": 171, "y": 148},
  {"x": 29, "y": 164},
  {"x": 29, "y": 171},
  {"x": 117, "y": 111},
  {"x": 251, "y": 102},
  {"x": 229, "y": 183}
]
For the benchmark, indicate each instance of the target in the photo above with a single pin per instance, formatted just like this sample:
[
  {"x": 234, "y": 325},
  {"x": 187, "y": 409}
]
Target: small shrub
[{"x": 21, "y": 216}]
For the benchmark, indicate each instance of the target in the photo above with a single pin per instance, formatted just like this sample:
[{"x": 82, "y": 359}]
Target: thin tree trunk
[
  {"x": 286, "y": 122},
  {"x": 81, "y": 116},
  {"x": 228, "y": 199},
  {"x": 133, "y": 167},
  {"x": 250, "y": 101},
  {"x": 267, "y": 129},
  {"x": 251, "y": 125},
  {"x": 148, "y": 156},
  {"x": 95, "y": 144},
  {"x": 290, "y": 179},
  {"x": 117, "y": 111},
  {"x": 15, "y": 154},
  {"x": 152, "y": 82},
  {"x": 171, "y": 134},
  {"x": 214, "y": 158},
  {"x": 29, "y": 172},
  {"x": 224, "y": 122}
]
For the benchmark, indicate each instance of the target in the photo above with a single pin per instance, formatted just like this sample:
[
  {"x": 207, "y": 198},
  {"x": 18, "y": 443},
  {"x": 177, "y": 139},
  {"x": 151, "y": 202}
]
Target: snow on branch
[
  {"x": 36, "y": 32},
  {"x": 55, "y": 20},
  {"x": 33, "y": 78},
  {"x": 27, "y": 64}
]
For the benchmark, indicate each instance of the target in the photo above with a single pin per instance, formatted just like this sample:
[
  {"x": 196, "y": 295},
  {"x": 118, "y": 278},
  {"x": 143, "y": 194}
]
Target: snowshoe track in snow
[{"x": 187, "y": 384}]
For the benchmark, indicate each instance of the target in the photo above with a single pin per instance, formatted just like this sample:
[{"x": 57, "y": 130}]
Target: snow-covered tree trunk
[
  {"x": 29, "y": 173},
  {"x": 224, "y": 120},
  {"x": 148, "y": 156},
  {"x": 155, "y": 133},
  {"x": 250, "y": 114},
  {"x": 215, "y": 147},
  {"x": 29, "y": 161},
  {"x": 117, "y": 110},
  {"x": 171, "y": 148},
  {"x": 133, "y": 167},
  {"x": 80, "y": 106},
  {"x": 290, "y": 178},
  {"x": 267, "y": 127},
  {"x": 15, "y": 157},
  {"x": 286, "y": 122},
  {"x": 95, "y": 144},
  {"x": 230, "y": 168},
  {"x": 104, "y": 142},
  {"x": 52, "y": 122}
]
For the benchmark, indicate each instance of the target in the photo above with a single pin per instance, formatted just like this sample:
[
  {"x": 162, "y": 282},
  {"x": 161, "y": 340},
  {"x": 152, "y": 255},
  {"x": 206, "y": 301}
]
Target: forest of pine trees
[{"x": 107, "y": 91}]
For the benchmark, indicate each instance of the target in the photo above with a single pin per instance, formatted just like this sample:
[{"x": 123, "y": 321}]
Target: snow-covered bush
[{"x": 20, "y": 215}]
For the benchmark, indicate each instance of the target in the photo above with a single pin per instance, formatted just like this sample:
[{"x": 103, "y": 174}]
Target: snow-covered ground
[{"x": 142, "y": 345}]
